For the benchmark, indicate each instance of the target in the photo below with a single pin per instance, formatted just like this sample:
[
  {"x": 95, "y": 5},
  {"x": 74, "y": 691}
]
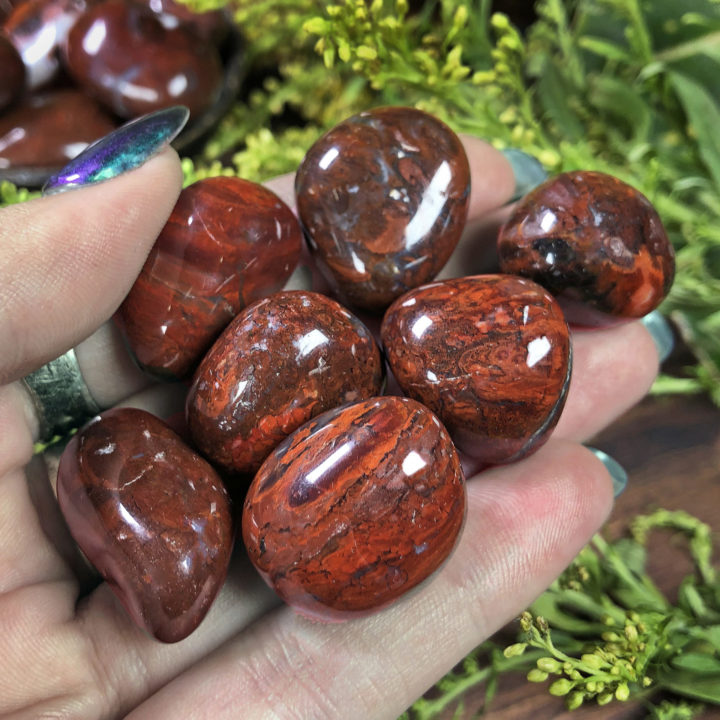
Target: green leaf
[
  {"x": 703, "y": 114},
  {"x": 605, "y": 49},
  {"x": 623, "y": 103},
  {"x": 632, "y": 553},
  {"x": 696, "y": 662},
  {"x": 553, "y": 92},
  {"x": 690, "y": 684}
]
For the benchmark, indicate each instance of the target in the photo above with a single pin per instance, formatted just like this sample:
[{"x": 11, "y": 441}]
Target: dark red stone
[
  {"x": 227, "y": 243},
  {"x": 50, "y": 129},
  {"x": 490, "y": 354},
  {"x": 12, "y": 78},
  {"x": 383, "y": 198},
  {"x": 151, "y": 515},
  {"x": 282, "y": 361},
  {"x": 210, "y": 26},
  {"x": 121, "y": 53},
  {"x": 39, "y": 29},
  {"x": 355, "y": 508},
  {"x": 591, "y": 237}
]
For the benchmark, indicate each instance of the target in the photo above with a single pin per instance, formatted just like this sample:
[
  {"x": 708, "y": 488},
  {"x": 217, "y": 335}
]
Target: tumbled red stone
[
  {"x": 227, "y": 243},
  {"x": 210, "y": 26},
  {"x": 151, "y": 515},
  {"x": 490, "y": 354},
  {"x": 50, "y": 129},
  {"x": 383, "y": 198},
  {"x": 280, "y": 362},
  {"x": 121, "y": 53},
  {"x": 590, "y": 237},
  {"x": 12, "y": 78},
  {"x": 355, "y": 508},
  {"x": 39, "y": 29}
]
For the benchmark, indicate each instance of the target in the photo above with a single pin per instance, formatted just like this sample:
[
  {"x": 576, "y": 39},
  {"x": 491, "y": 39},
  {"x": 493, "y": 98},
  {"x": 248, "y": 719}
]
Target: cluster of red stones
[
  {"x": 124, "y": 58},
  {"x": 351, "y": 498}
]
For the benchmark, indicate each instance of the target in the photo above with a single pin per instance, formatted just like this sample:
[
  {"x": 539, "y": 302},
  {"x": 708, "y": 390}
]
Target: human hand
[{"x": 68, "y": 261}]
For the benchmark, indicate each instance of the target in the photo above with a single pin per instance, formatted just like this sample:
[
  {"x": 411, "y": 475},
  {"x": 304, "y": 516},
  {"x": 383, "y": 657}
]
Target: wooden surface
[{"x": 671, "y": 450}]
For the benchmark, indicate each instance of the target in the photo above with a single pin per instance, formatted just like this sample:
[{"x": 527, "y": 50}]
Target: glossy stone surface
[
  {"x": 151, "y": 515},
  {"x": 121, "y": 53},
  {"x": 383, "y": 198},
  {"x": 12, "y": 78},
  {"x": 210, "y": 26},
  {"x": 227, "y": 243},
  {"x": 490, "y": 354},
  {"x": 590, "y": 237},
  {"x": 38, "y": 29},
  {"x": 50, "y": 129},
  {"x": 355, "y": 508},
  {"x": 282, "y": 361}
]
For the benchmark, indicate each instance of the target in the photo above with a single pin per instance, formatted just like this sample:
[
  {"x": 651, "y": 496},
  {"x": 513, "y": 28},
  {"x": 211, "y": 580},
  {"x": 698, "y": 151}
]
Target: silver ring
[{"x": 62, "y": 399}]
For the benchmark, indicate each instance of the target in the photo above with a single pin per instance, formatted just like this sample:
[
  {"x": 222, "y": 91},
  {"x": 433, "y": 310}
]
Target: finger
[
  {"x": 524, "y": 525},
  {"x": 613, "y": 369},
  {"x": 69, "y": 259}
]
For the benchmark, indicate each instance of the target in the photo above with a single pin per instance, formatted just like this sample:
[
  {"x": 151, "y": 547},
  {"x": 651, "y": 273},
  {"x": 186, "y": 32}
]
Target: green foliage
[{"x": 633, "y": 641}]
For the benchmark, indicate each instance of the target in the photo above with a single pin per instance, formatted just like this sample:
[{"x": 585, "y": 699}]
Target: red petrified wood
[
  {"x": 121, "y": 53},
  {"x": 593, "y": 238},
  {"x": 227, "y": 243},
  {"x": 489, "y": 354},
  {"x": 151, "y": 515},
  {"x": 355, "y": 508},
  {"x": 282, "y": 361},
  {"x": 383, "y": 198},
  {"x": 50, "y": 129}
]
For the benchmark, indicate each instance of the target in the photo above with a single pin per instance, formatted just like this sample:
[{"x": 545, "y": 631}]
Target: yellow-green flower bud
[
  {"x": 610, "y": 637},
  {"x": 631, "y": 633},
  {"x": 560, "y": 687},
  {"x": 536, "y": 675},
  {"x": 525, "y": 618},
  {"x": 592, "y": 661},
  {"x": 549, "y": 665},
  {"x": 500, "y": 21},
  {"x": 591, "y": 686},
  {"x": 514, "y": 650},
  {"x": 622, "y": 692},
  {"x": 605, "y": 698},
  {"x": 574, "y": 700}
]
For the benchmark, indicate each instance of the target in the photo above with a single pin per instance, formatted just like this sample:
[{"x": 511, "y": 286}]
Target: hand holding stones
[{"x": 489, "y": 356}]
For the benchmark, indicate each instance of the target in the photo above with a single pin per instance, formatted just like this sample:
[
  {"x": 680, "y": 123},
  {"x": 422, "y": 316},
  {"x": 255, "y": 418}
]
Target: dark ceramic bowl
[{"x": 233, "y": 53}]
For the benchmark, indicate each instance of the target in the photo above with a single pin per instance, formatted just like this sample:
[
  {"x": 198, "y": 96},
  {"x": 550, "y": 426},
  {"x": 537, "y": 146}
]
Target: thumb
[{"x": 69, "y": 259}]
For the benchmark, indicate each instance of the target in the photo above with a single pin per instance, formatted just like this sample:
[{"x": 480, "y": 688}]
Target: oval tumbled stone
[
  {"x": 282, "y": 361},
  {"x": 383, "y": 198},
  {"x": 593, "y": 238},
  {"x": 490, "y": 354},
  {"x": 355, "y": 508},
  {"x": 228, "y": 242},
  {"x": 151, "y": 515}
]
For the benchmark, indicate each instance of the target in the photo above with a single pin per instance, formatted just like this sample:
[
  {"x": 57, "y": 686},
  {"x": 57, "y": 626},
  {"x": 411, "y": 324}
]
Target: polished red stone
[
  {"x": 490, "y": 354},
  {"x": 383, "y": 198},
  {"x": 12, "y": 78},
  {"x": 50, "y": 129},
  {"x": 591, "y": 237},
  {"x": 282, "y": 361},
  {"x": 355, "y": 508},
  {"x": 151, "y": 515},
  {"x": 38, "y": 29},
  {"x": 121, "y": 53},
  {"x": 227, "y": 243},
  {"x": 210, "y": 26}
]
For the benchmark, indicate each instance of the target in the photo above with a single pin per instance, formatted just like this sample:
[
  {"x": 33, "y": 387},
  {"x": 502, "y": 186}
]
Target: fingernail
[
  {"x": 616, "y": 470},
  {"x": 528, "y": 171},
  {"x": 124, "y": 149},
  {"x": 661, "y": 332}
]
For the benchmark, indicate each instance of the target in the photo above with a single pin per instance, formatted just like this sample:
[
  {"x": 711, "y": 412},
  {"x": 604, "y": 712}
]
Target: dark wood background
[{"x": 670, "y": 447}]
